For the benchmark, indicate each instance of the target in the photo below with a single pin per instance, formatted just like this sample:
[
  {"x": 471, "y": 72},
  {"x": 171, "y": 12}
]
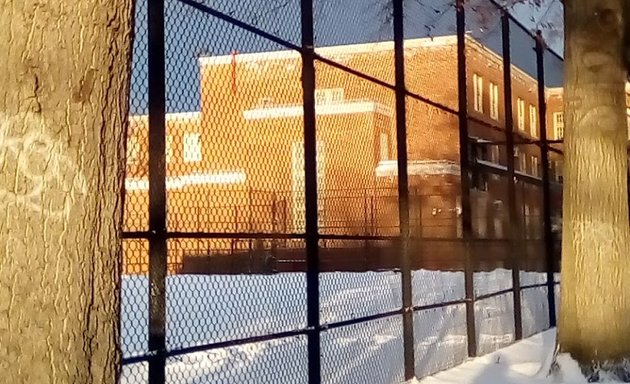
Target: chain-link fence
[{"x": 336, "y": 191}]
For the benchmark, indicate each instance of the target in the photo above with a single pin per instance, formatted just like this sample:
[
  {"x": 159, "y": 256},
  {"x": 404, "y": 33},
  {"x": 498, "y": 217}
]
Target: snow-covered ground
[
  {"x": 208, "y": 309},
  {"x": 525, "y": 362}
]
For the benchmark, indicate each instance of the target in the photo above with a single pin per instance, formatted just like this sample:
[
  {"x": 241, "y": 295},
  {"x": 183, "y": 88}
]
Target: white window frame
[
  {"x": 520, "y": 107},
  {"x": 192, "y": 147},
  {"x": 535, "y": 165},
  {"x": 478, "y": 93},
  {"x": 494, "y": 100},
  {"x": 533, "y": 120},
  {"x": 558, "y": 125},
  {"x": 522, "y": 162},
  {"x": 495, "y": 154}
]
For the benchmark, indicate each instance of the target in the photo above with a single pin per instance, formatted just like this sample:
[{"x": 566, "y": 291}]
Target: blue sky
[{"x": 191, "y": 33}]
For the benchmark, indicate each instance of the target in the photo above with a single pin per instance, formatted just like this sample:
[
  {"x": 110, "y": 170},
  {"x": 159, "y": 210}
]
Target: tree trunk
[
  {"x": 64, "y": 75},
  {"x": 594, "y": 325}
]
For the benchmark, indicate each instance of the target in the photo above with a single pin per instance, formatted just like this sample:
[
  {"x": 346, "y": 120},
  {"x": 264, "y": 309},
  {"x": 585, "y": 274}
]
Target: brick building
[{"x": 236, "y": 165}]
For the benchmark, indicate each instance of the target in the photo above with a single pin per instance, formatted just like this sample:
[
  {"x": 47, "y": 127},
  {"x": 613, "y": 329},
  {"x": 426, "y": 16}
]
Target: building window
[
  {"x": 299, "y": 184},
  {"x": 133, "y": 150},
  {"x": 520, "y": 106},
  {"x": 522, "y": 163},
  {"x": 329, "y": 96},
  {"x": 192, "y": 147},
  {"x": 558, "y": 125},
  {"x": 535, "y": 165},
  {"x": 384, "y": 146},
  {"x": 498, "y": 227},
  {"x": 559, "y": 176},
  {"x": 480, "y": 181},
  {"x": 482, "y": 222},
  {"x": 169, "y": 148},
  {"x": 494, "y": 101},
  {"x": 536, "y": 230},
  {"x": 478, "y": 89},
  {"x": 533, "y": 121},
  {"x": 498, "y": 219},
  {"x": 495, "y": 154},
  {"x": 527, "y": 221}
]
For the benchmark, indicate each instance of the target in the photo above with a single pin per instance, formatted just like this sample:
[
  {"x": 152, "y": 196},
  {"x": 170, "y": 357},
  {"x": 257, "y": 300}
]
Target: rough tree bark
[
  {"x": 64, "y": 75},
  {"x": 594, "y": 324}
]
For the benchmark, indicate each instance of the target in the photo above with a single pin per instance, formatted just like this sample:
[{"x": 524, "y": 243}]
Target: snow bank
[
  {"x": 520, "y": 363},
  {"x": 526, "y": 362}
]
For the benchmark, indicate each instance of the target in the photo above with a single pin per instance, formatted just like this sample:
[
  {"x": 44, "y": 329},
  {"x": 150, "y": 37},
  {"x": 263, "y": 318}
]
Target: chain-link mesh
[
  {"x": 134, "y": 309},
  {"x": 440, "y": 339},
  {"x": 367, "y": 352},
  {"x": 134, "y": 299},
  {"x": 244, "y": 297},
  {"x": 241, "y": 291},
  {"x": 136, "y": 212},
  {"x": 535, "y": 309},
  {"x": 134, "y": 373},
  {"x": 494, "y": 323},
  {"x": 352, "y": 295},
  {"x": 281, "y": 360}
]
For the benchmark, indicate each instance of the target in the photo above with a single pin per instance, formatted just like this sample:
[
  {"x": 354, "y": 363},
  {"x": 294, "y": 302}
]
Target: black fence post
[
  {"x": 403, "y": 189},
  {"x": 465, "y": 178},
  {"x": 310, "y": 187},
  {"x": 515, "y": 232},
  {"x": 157, "y": 192},
  {"x": 544, "y": 154}
]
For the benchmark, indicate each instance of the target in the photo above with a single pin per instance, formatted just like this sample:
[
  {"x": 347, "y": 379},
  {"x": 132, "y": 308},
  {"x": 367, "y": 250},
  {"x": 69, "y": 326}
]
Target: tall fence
[{"x": 334, "y": 191}]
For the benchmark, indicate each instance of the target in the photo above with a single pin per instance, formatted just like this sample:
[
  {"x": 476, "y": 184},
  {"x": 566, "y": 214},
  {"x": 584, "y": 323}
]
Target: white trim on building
[
  {"x": 322, "y": 110},
  {"x": 389, "y": 168},
  {"x": 196, "y": 115},
  {"x": 178, "y": 182}
]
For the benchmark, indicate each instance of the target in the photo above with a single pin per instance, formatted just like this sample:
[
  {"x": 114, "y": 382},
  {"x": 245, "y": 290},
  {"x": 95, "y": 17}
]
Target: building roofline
[
  {"x": 330, "y": 50},
  {"x": 499, "y": 59},
  {"x": 554, "y": 91},
  {"x": 423, "y": 42}
]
